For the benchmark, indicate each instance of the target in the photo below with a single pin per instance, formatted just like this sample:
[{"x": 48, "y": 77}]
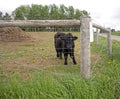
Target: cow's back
[
  {"x": 58, "y": 35},
  {"x": 57, "y": 39},
  {"x": 58, "y": 42}
]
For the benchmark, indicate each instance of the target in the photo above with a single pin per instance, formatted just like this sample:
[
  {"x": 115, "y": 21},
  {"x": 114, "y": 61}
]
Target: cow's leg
[
  {"x": 60, "y": 53},
  {"x": 65, "y": 58},
  {"x": 73, "y": 58},
  {"x": 57, "y": 51}
]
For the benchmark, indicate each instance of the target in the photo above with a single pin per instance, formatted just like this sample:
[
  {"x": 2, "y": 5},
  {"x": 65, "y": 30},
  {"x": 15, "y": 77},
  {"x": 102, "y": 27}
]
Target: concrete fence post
[
  {"x": 85, "y": 46},
  {"x": 109, "y": 43}
]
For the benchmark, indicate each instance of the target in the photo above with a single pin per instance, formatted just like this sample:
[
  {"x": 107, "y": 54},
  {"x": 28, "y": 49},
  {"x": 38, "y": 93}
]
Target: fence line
[{"x": 84, "y": 24}]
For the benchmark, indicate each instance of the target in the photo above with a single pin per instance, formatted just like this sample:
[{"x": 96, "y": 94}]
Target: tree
[
  {"x": 84, "y": 12},
  {"x": 39, "y": 12},
  {"x": 63, "y": 12},
  {"x": 6, "y": 16},
  {"x": 36, "y": 11},
  {"x": 21, "y": 13},
  {"x": 77, "y": 14},
  {"x": 45, "y": 12},
  {"x": 1, "y": 15},
  {"x": 71, "y": 12},
  {"x": 54, "y": 12}
]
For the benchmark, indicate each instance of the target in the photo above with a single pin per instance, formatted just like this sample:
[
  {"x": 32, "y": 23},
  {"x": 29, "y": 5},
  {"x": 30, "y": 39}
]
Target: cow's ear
[{"x": 75, "y": 38}]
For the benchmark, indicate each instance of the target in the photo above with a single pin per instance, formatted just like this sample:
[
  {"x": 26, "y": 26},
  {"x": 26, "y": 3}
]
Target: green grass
[
  {"x": 116, "y": 33},
  {"x": 57, "y": 81},
  {"x": 44, "y": 85}
]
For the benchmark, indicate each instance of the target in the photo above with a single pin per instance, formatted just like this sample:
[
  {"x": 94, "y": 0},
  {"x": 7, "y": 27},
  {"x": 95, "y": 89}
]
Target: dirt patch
[{"x": 13, "y": 34}]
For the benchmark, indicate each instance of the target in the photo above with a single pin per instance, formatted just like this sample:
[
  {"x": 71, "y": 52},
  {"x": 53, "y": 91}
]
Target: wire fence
[
  {"x": 101, "y": 51},
  {"x": 39, "y": 54},
  {"x": 51, "y": 29}
]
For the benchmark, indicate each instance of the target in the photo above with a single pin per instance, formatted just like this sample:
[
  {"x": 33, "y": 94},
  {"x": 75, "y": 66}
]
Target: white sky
[{"x": 104, "y": 12}]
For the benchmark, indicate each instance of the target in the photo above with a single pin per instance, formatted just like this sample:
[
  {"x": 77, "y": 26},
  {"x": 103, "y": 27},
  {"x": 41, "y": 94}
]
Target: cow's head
[{"x": 69, "y": 40}]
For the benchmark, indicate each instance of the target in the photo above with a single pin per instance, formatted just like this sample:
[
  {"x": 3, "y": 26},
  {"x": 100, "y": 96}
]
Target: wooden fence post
[
  {"x": 109, "y": 43},
  {"x": 85, "y": 46}
]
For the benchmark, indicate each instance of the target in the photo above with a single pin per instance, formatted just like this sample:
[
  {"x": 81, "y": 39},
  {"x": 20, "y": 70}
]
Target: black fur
[{"x": 64, "y": 43}]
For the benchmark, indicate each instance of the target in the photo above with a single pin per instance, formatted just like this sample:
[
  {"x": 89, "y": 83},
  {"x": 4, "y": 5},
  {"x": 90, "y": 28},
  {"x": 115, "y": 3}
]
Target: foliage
[
  {"x": 116, "y": 33},
  {"x": 52, "y": 11},
  {"x": 5, "y": 16}
]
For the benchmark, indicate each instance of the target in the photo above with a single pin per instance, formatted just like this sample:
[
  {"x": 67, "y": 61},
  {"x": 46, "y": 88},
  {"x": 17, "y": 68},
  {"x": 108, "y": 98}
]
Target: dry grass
[{"x": 13, "y": 34}]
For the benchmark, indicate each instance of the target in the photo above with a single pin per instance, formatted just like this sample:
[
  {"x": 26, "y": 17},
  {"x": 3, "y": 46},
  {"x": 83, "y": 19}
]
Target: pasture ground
[{"x": 35, "y": 54}]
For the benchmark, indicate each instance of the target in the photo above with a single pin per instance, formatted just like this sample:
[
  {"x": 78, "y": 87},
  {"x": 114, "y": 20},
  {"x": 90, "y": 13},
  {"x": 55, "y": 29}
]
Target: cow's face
[{"x": 69, "y": 41}]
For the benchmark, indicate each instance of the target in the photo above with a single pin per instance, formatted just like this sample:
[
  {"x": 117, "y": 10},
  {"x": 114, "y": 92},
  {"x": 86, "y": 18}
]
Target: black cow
[
  {"x": 64, "y": 43},
  {"x": 59, "y": 43}
]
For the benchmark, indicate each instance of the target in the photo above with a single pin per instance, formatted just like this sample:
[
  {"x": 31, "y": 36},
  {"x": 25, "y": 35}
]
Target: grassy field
[
  {"x": 30, "y": 70},
  {"x": 116, "y": 33}
]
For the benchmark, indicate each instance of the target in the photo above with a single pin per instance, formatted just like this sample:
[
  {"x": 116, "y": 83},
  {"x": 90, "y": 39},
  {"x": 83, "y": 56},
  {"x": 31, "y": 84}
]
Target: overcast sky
[{"x": 103, "y": 12}]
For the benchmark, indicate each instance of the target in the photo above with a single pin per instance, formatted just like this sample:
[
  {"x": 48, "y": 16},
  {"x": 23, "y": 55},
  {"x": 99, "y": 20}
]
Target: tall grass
[
  {"x": 116, "y": 33},
  {"x": 44, "y": 85}
]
